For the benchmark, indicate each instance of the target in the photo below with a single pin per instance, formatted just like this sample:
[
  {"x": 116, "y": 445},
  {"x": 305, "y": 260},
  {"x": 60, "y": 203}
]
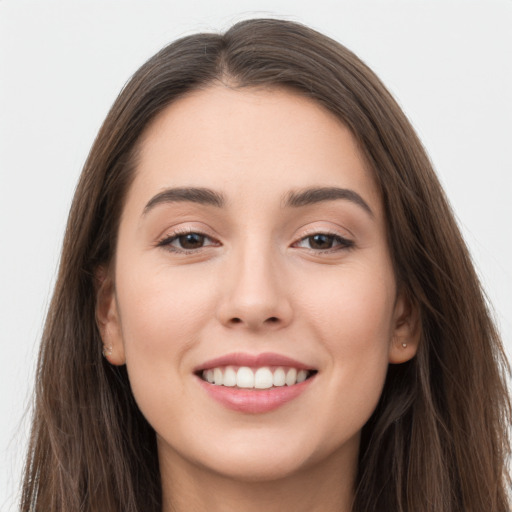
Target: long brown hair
[{"x": 438, "y": 438}]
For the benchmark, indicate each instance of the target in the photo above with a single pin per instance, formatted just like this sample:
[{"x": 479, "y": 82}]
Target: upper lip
[{"x": 252, "y": 360}]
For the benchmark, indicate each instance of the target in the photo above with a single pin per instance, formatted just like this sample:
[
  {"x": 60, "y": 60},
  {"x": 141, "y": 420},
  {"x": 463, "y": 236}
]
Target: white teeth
[
  {"x": 279, "y": 378},
  {"x": 291, "y": 377},
  {"x": 261, "y": 378},
  {"x": 229, "y": 377},
  {"x": 302, "y": 375},
  {"x": 245, "y": 377},
  {"x": 217, "y": 376}
]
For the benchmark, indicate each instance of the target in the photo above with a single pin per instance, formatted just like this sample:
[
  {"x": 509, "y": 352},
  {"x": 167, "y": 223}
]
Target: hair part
[{"x": 438, "y": 438}]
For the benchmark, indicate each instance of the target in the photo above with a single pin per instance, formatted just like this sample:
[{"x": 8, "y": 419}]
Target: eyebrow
[
  {"x": 293, "y": 199},
  {"x": 198, "y": 195},
  {"x": 320, "y": 194}
]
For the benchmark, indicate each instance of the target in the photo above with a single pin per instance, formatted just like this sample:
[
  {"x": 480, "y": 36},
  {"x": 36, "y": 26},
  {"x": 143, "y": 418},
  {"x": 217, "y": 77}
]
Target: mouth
[
  {"x": 263, "y": 377},
  {"x": 254, "y": 384}
]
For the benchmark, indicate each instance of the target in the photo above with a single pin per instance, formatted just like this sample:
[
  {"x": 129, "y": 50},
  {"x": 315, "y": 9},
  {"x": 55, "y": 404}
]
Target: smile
[
  {"x": 264, "y": 377},
  {"x": 254, "y": 384}
]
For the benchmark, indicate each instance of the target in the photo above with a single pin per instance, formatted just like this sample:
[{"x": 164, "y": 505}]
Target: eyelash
[
  {"x": 342, "y": 243},
  {"x": 169, "y": 239}
]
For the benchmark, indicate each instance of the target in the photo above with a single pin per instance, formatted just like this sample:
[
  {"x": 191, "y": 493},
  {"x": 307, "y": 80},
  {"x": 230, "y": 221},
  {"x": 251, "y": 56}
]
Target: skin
[{"x": 258, "y": 284}]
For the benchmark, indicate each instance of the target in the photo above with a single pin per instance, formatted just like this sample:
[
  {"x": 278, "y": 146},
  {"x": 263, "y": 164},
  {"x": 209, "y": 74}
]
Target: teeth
[
  {"x": 229, "y": 377},
  {"x": 291, "y": 377},
  {"x": 245, "y": 377},
  {"x": 263, "y": 378},
  {"x": 301, "y": 376},
  {"x": 217, "y": 376},
  {"x": 249, "y": 378},
  {"x": 279, "y": 378}
]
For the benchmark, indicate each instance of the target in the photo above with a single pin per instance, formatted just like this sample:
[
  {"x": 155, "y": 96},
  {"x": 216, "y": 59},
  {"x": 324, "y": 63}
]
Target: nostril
[{"x": 271, "y": 320}]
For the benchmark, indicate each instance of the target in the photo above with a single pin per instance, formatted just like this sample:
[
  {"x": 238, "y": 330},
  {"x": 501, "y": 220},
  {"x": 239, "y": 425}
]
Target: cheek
[
  {"x": 162, "y": 315},
  {"x": 353, "y": 318},
  {"x": 162, "y": 309},
  {"x": 353, "y": 309}
]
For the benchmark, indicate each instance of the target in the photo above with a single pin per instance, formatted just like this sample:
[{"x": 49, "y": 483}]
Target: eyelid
[
  {"x": 174, "y": 233},
  {"x": 345, "y": 243}
]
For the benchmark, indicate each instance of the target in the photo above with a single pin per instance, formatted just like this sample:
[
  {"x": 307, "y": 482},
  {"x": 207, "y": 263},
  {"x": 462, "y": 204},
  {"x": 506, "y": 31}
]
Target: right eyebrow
[
  {"x": 190, "y": 194},
  {"x": 315, "y": 195}
]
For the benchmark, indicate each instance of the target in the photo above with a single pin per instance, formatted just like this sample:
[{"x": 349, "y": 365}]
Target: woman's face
[{"x": 252, "y": 253}]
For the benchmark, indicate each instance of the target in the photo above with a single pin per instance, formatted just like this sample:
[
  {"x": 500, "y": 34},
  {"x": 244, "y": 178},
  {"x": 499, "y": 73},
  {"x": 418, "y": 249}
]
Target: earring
[
  {"x": 404, "y": 345},
  {"x": 107, "y": 351}
]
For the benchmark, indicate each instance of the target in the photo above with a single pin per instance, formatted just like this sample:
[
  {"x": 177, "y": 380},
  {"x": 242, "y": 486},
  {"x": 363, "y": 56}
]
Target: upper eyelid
[
  {"x": 324, "y": 231},
  {"x": 347, "y": 242},
  {"x": 326, "y": 228},
  {"x": 166, "y": 242},
  {"x": 180, "y": 231},
  {"x": 177, "y": 234}
]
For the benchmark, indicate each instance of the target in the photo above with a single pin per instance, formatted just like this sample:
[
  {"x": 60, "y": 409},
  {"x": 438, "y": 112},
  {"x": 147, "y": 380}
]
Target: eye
[
  {"x": 324, "y": 242},
  {"x": 186, "y": 242}
]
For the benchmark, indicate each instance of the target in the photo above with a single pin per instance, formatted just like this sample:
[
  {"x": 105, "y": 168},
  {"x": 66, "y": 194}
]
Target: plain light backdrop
[{"x": 62, "y": 64}]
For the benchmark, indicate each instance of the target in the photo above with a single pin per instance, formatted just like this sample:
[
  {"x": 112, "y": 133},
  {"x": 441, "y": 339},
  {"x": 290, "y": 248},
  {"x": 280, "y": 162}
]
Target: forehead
[{"x": 253, "y": 144}]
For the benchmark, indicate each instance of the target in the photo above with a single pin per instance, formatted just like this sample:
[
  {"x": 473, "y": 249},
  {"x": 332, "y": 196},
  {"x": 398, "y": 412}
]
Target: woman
[{"x": 288, "y": 315}]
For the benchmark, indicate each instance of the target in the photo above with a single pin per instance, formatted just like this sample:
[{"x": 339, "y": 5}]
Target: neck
[{"x": 324, "y": 487}]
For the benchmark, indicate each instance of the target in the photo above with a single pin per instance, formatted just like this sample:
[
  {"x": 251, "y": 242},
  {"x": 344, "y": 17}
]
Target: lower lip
[{"x": 254, "y": 401}]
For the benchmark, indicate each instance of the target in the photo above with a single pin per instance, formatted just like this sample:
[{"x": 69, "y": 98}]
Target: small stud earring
[
  {"x": 404, "y": 345},
  {"x": 107, "y": 351}
]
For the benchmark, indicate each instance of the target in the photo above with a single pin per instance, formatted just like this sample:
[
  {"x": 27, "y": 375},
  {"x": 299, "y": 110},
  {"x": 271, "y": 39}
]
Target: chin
[
  {"x": 273, "y": 459},
  {"x": 251, "y": 468}
]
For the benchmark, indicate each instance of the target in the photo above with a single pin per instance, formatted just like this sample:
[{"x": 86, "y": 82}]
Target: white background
[{"x": 62, "y": 64}]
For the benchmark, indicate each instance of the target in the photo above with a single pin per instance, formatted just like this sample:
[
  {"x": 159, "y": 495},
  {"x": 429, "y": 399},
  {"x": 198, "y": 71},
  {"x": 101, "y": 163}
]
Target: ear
[
  {"x": 406, "y": 330},
  {"x": 107, "y": 318}
]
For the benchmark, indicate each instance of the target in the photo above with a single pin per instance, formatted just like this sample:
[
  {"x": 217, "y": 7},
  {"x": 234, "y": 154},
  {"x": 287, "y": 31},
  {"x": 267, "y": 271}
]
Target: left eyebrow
[
  {"x": 186, "y": 194},
  {"x": 320, "y": 194}
]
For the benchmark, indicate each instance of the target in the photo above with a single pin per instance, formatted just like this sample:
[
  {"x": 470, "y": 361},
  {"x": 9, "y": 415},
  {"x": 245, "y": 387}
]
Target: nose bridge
[{"x": 255, "y": 294}]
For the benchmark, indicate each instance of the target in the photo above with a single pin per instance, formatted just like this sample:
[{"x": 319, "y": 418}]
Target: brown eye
[
  {"x": 187, "y": 242},
  {"x": 191, "y": 241},
  {"x": 321, "y": 241},
  {"x": 324, "y": 242}
]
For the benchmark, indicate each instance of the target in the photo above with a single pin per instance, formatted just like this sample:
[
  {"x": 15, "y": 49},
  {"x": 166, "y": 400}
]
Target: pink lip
[
  {"x": 253, "y": 401},
  {"x": 253, "y": 361}
]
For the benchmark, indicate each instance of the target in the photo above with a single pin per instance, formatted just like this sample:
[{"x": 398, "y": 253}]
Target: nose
[{"x": 254, "y": 292}]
